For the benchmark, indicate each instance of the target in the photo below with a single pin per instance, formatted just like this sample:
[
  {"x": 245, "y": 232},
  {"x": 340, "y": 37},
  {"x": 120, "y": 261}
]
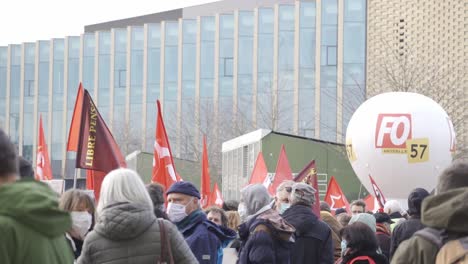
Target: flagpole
[
  {"x": 74, "y": 178},
  {"x": 360, "y": 188}
]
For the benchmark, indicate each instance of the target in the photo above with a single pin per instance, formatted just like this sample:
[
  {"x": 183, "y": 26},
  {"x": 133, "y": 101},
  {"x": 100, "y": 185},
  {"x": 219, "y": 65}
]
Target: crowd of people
[{"x": 137, "y": 223}]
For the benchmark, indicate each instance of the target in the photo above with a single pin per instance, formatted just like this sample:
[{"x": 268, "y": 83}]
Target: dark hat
[
  {"x": 25, "y": 168},
  {"x": 383, "y": 218},
  {"x": 340, "y": 211},
  {"x": 184, "y": 188},
  {"x": 415, "y": 201}
]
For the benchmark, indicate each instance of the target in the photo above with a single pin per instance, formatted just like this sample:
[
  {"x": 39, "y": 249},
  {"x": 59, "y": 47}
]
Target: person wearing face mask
[
  {"x": 314, "y": 240},
  {"x": 81, "y": 209},
  {"x": 282, "y": 196},
  {"x": 266, "y": 237},
  {"x": 205, "y": 238}
]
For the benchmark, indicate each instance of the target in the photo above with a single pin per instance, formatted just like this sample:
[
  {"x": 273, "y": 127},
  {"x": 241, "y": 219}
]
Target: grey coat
[{"x": 129, "y": 233}]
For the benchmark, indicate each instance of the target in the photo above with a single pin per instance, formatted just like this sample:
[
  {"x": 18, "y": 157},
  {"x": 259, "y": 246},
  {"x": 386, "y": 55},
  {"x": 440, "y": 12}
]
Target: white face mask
[
  {"x": 81, "y": 223},
  {"x": 242, "y": 210},
  {"x": 176, "y": 212}
]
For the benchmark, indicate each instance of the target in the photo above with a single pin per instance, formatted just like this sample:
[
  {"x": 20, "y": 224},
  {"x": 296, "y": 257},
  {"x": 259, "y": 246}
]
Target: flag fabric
[
  {"x": 94, "y": 181},
  {"x": 43, "y": 169},
  {"x": 260, "y": 172},
  {"x": 216, "y": 198},
  {"x": 163, "y": 164},
  {"x": 74, "y": 133},
  {"x": 378, "y": 194},
  {"x": 283, "y": 172},
  {"x": 205, "y": 177},
  {"x": 335, "y": 197},
  {"x": 97, "y": 149},
  {"x": 308, "y": 175},
  {"x": 370, "y": 203}
]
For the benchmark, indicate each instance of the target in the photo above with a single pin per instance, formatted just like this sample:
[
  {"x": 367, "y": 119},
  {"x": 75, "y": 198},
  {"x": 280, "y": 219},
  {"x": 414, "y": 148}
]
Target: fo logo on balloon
[{"x": 392, "y": 132}]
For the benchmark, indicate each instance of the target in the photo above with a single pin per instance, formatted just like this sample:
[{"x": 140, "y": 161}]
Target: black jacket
[
  {"x": 313, "y": 237},
  {"x": 404, "y": 231}
]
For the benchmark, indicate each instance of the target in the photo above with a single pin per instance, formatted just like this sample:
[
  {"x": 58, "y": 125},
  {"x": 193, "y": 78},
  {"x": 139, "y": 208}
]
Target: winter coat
[
  {"x": 404, "y": 231},
  {"x": 383, "y": 239},
  {"x": 205, "y": 238},
  {"x": 32, "y": 228},
  {"x": 129, "y": 233},
  {"x": 266, "y": 238},
  {"x": 396, "y": 218},
  {"x": 447, "y": 211},
  {"x": 335, "y": 227},
  {"x": 313, "y": 238},
  {"x": 378, "y": 258}
]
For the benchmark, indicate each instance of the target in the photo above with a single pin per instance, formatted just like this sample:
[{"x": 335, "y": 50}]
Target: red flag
[
  {"x": 163, "y": 164},
  {"x": 370, "y": 203},
  {"x": 309, "y": 175},
  {"x": 43, "y": 169},
  {"x": 335, "y": 197},
  {"x": 74, "y": 133},
  {"x": 205, "y": 179},
  {"x": 283, "y": 172},
  {"x": 260, "y": 172},
  {"x": 378, "y": 194},
  {"x": 216, "y": 198}
]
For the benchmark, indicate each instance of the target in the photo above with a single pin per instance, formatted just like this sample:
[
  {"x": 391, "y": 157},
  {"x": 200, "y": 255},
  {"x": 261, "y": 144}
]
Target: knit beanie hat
[
  {"x": 184, "y": 187},
  {"x": 365, "y": 218}
]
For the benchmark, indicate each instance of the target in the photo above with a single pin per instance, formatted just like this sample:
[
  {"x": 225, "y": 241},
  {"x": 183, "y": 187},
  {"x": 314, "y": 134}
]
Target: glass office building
[{"x": 292, "y": 66}]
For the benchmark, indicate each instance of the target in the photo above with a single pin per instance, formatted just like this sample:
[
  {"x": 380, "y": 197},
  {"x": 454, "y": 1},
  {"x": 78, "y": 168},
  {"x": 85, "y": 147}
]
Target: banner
[{"x": 335, "y": 197}]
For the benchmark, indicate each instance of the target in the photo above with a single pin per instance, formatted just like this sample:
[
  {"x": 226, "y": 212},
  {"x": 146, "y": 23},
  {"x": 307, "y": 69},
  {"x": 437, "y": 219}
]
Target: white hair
[
  {"x": 123, "y": 185},
  {"x": 392, "y": 206}
]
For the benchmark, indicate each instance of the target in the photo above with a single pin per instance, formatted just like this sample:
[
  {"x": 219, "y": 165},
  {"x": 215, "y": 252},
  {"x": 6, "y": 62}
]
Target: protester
[
  {"x": 359, "y": 245},
  {"x": 343, "y": 219},
  {"x": 383, "y": 232},
  {"x": 340, "y": 211},
  {"x": 81, "y": 208},
  {"x": 217, "y": 216},
  {"x": 313, "y": 238},
  {"x": 406, "y": 229},
  {"x": 266, "y": 237},
  {"x": 156, "y": 193},
  {"x": 365, "y": 218},
  {"x": 445, "y": 214},
  {"x": 230, "y": 205},
  {"x": 394, "y": 210},
  {"x": 233, "y": 220},
  {"x": 282, "y": 201},
  {"x": 32, "y": 227},
  {"x": 205, "y": 239},
  {"x": 25, "y": 169},
  {"x": 358, "y": 207},
  {"x": 327, "y": 217},
  {"x": 127, "y": 229}
]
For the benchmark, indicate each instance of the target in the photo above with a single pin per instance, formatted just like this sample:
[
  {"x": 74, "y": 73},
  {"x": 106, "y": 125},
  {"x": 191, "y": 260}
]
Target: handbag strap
[{"x": 165, "y": 242}]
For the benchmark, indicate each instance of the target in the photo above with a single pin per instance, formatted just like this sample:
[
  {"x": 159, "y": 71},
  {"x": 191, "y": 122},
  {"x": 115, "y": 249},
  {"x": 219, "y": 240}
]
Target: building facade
[{"x": 292, "y": 66}]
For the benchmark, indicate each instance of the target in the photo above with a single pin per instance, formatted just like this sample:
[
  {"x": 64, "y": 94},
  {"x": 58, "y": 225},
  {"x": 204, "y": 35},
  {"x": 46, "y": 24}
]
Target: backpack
[
  {"x": 449, "y": 251},
  {"x": 369, "y": 259}
]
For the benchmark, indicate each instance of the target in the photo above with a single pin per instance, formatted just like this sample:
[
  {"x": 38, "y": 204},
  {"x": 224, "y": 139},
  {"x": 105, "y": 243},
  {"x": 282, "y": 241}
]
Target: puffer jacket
[
  {"x": 446, "y": 211},
  {"x": 266, "y": 238},
  {"x": 313, "y": 238},
  {"x": 130, "y": 233}
]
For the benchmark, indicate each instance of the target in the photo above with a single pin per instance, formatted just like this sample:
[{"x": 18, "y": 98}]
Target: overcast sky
[{"x": 31, "y": 20}]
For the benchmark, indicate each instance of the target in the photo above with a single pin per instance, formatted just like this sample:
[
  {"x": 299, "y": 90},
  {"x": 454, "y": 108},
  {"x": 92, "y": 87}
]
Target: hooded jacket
[
  {"x": 446, "y": 211},
  {"x": 313, "y": 238},
  {"x": 204, "y": 237},
  {"x": 32, "y": 228},
  {"x": 335, "y": 227},
  {"x": 130, "y": 233}
]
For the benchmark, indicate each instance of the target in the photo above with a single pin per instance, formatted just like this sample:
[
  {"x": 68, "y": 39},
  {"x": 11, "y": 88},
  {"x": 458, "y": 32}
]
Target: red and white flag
[
  {"x": 309, "y": 176},
  {"x": 283, "y": 172},
  {"x": 378, "y": 194},
  {"x": 260, "y": 172},
  {"x": 335, "y": 197},
  {"x": 370, "y": 203},
  {"x": 43, "y": 169},
  {"x": 216, "y": 198},
  {"x": 163, "y": 164},
  {"x": 205, "y": 177}
]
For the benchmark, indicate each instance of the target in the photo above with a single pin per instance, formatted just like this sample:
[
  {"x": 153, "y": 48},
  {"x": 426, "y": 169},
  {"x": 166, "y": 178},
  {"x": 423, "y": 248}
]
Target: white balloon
[{"x": 403, "y": 140}]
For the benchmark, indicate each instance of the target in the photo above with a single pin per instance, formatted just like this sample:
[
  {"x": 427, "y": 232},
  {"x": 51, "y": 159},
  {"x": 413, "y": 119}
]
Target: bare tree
[{"x": 127, "y": 136}]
